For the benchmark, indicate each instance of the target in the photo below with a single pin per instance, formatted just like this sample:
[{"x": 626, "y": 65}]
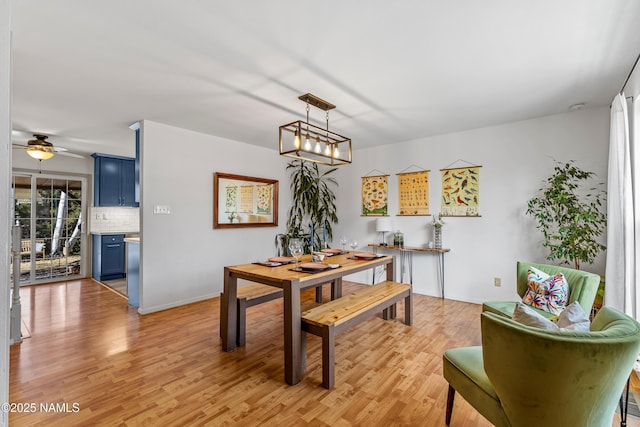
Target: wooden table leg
[
  {"x": 391, "y": 269},
  {"x": 336, "y": 288},
  {"x": 228, "y": 312},
  {"x": 390, "y": 313},
  {"x": 294, "y": 354}
]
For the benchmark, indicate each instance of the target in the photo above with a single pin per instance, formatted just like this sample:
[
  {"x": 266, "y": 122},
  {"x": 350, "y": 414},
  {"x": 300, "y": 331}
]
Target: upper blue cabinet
[{"x": 114, "y": 181}]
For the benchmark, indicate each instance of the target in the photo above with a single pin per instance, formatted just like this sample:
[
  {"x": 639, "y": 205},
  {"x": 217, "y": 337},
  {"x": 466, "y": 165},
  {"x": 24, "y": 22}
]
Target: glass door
[
  {"x": 50, "y": 210},
  {"x": 21, "y": 215}
]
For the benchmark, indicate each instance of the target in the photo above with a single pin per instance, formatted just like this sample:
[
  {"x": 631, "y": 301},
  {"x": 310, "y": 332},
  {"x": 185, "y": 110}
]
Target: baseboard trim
[{"x": 174, "y": 304}]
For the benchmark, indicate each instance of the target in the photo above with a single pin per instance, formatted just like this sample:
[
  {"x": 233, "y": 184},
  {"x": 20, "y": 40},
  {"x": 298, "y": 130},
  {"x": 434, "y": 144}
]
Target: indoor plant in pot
[
  {"x": 313, "y": 205},
  {"x": 570, "y": 215}
]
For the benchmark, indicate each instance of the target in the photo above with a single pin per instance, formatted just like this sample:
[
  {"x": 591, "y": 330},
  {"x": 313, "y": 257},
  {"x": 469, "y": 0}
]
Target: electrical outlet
[{"x": 497, "y": 281}]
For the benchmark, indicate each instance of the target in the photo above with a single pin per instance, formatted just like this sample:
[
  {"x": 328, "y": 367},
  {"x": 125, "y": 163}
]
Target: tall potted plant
[
  {"x": 569, "y": 214},
  {"x": 313, "y": 202}
]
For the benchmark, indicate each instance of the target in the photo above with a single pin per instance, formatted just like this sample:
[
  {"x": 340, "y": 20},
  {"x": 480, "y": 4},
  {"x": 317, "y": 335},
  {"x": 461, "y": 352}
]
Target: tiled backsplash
[{"x": 115, "y": 220}]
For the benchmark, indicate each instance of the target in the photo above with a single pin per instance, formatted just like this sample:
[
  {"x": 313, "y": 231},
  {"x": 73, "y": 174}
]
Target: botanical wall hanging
[
  {"x": 264, "y": 199},
  {"x": 246, "y": 198},
  {"x": 413, "y": 193},
  {"x": 375, "y": 195},
  {"x": 460, "y": 191},
  {"x": 230, "y": 199}
]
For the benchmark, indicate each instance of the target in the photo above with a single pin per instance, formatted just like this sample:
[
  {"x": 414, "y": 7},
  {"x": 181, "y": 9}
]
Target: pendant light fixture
[
  {"x": 40, "y": 148},
  {"x": 305, "y": 141}
]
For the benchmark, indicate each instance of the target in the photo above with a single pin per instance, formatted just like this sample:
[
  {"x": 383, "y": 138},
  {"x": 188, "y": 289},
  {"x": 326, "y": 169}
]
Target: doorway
[{"x": 51, "y": 212}]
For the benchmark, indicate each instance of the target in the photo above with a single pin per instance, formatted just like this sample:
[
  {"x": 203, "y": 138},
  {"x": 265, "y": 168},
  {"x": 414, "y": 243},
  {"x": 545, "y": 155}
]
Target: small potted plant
[{"x": 437, "y": 222}]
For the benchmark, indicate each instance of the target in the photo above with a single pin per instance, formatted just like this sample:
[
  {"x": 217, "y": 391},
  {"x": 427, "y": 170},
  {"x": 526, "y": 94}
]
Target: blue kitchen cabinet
[
  {"x": 108, "y": 256},
  {"x": 133, "y": 272},
  {"x": 114, "y": 181}
]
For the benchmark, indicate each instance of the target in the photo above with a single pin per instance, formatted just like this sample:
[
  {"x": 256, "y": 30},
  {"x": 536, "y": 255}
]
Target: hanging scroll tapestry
[
  {"x": 413, "y": 190},
  {"x": 375, "y": 195},
  {"x": 230, "y": 199},
  {"x": 246, "y": 198},
  {"x": 460, "y": 191},
  {"x": 264, "y": 199}
]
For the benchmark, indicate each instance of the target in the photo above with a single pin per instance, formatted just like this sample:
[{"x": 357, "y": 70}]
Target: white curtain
[{"x": 620, "y": 279}]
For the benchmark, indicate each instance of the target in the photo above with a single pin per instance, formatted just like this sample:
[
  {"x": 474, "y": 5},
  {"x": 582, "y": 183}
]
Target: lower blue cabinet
[
  {"x": 108, "y": 256},
  {"x": 133, "y": 273}
]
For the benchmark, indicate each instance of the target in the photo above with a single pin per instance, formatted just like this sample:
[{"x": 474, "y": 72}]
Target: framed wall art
[{"x": 244, "y": 201}]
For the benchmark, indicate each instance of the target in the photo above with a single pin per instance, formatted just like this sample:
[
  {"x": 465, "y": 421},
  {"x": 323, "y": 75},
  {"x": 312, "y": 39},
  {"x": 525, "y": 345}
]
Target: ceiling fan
[{"x": 41, "y": 149}]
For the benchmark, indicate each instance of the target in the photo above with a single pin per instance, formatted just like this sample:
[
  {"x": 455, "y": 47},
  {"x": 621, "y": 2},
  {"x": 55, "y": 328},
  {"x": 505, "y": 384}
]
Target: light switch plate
[{"x": 162, "y": 210}]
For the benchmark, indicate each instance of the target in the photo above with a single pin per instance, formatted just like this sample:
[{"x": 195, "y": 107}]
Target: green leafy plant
[
  {"x": 569, "y": 214},
  {"x": 313, "y": 200}
]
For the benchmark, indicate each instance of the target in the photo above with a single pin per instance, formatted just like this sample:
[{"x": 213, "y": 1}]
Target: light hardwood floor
[{"x": 89, "y": 348}]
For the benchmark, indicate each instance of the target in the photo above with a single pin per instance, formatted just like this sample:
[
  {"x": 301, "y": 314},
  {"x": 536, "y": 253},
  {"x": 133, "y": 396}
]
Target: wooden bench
[
  {"x": 255, "y": 294},
  {"x": 248, "y": 296},
  {"x": 334, "y": 317}
]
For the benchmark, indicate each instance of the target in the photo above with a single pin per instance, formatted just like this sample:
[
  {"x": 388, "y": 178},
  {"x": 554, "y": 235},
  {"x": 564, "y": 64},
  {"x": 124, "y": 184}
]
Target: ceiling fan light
[
  {"x": 39, "y": 148},
  {"x": 40, "y": 153}
]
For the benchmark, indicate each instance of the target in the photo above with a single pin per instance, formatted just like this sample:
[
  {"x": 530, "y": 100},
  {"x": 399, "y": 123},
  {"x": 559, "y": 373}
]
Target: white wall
[
  {"x": 5, "y": 185},
  {"x": 515, "y": 159},
  {"x": 182, "y": 256}
]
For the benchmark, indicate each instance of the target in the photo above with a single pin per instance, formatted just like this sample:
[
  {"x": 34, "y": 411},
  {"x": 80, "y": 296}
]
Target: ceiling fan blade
[
  {"x": 65, "y": 152},
  {"x": 70, "y": 154},
  {"x": 58, "y": 150}
]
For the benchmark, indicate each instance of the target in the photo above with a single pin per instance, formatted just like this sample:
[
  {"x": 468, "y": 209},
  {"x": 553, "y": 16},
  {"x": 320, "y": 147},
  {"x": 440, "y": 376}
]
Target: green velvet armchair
[
  {"x": 583, "y": 287},
  {"x": 525, "y": 376}
]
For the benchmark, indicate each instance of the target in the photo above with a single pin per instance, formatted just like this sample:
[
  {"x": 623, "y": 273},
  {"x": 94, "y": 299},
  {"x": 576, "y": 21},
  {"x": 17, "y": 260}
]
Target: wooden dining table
[{"x": 291, "y": 282}]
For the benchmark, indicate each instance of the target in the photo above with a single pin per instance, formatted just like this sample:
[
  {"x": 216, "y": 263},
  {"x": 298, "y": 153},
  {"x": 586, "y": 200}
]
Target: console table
[{"x": 406, "y": 253}]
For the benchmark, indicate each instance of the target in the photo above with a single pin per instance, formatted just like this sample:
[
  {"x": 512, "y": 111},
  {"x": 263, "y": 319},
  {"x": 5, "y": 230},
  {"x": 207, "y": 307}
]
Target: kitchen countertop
[
  {"x": 132, "y": 239},
  {"x": 110, "y": 233}
]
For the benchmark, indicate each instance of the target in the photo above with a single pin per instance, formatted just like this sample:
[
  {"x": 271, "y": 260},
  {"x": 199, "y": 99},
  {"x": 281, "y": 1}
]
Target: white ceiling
[{"x": 396, "y": 70}]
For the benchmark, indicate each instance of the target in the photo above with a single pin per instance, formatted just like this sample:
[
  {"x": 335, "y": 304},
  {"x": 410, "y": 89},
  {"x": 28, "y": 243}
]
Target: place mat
[
  {"x": 269, "y": 263},
  {"x": 275, "y": 261},
  {"x": 331, "y": 252},
  {"x": 281, "y": 259},
  {"x": 315, "y": 268},
  {"x": 365, "y": 256}
]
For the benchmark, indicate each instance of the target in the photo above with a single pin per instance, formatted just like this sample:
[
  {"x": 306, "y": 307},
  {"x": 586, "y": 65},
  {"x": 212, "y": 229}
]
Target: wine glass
[
  {"x": 295, "y": 247},
  {"x": 343, "y": 242},
  {"x": 353, "y": 244}
]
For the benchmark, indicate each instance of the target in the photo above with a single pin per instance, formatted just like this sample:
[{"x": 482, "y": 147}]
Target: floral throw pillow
[{"x": 545, "y": 292}]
